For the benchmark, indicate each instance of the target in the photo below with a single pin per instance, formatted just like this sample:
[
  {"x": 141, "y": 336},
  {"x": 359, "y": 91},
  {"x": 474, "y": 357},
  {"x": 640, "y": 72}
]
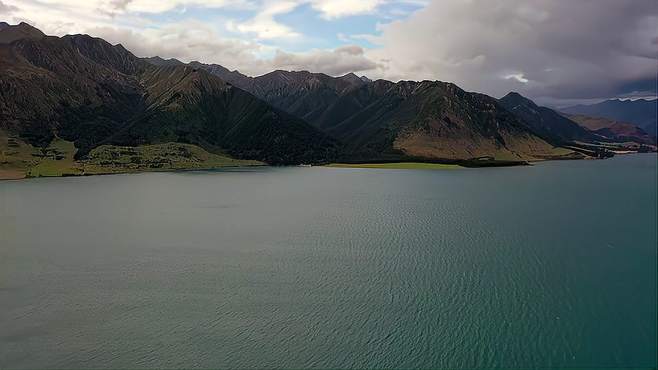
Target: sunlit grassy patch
[{"x": 19, "y": 159}]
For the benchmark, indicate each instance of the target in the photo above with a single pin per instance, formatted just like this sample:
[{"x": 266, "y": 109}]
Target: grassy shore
[
  {"x": 397, "y": 165},
  {"x": 20, "y": 160}
]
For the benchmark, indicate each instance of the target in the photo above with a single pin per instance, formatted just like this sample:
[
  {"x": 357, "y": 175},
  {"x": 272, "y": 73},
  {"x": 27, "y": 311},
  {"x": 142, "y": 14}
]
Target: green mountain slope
[{"x": 87, "y": 91}]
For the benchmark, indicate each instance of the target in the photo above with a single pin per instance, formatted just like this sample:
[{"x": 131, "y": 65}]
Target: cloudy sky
[{"x": 555, "y": 51}]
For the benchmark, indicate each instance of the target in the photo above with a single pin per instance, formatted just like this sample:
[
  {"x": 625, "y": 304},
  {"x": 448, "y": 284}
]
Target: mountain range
[
  {"x": 350, "y": 109},
  {"x": 385, "y": 121},
  {"x": 640, "y": 112},
  {"x": 83, "y": 90}
]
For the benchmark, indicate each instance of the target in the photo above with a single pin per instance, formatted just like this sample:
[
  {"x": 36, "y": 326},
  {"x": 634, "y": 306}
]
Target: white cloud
[
  {"x": 160, "y": 6},
  {"x": 264, "y": 26},
  {"x": 187, "y": 40},
  {"x": 518, "y": 77},
  {"x": 340, "y": 8},
  {"x": 192, "y": 40},
  {"x": 336, "y": 62}
]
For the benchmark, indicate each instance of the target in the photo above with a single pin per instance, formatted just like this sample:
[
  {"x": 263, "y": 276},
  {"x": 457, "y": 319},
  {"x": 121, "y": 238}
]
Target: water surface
[{"x": 543, "y": 266}]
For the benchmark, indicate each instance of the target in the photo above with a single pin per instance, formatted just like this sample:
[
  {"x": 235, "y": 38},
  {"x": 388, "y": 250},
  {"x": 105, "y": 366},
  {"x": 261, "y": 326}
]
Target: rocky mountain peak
[{"x": 10, "y": 33}]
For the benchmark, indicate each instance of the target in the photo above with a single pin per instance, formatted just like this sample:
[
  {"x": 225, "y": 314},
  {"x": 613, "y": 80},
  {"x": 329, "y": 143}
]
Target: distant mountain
[
  {"x": 545, "y": 122},
  {"x": 85, "y": 90},
  {"x": 614, "y": 130},
  {"x": 16, "y": 32},
  {"x": 641, "y": 112}
]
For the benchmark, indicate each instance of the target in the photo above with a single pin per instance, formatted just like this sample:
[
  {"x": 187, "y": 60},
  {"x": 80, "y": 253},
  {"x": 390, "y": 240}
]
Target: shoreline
[
  {"x": 396, "y": 166},
  {"x": 15, "y": 175},
  {"x": 172, "y": 170}
]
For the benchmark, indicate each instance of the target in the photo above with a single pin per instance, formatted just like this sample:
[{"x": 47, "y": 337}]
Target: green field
[
  {"x": 397, "y": 165},
  {"x": 159, "y": 157},
  {"x": 19, "y": 159}
]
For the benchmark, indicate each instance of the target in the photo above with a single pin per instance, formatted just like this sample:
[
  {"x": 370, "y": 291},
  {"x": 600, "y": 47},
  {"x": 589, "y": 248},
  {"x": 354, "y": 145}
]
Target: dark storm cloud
[{"x": 552, "y": 48}]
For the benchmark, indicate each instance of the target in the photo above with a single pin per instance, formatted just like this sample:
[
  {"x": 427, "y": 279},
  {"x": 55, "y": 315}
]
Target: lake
[{"x": 539, "y": 266}]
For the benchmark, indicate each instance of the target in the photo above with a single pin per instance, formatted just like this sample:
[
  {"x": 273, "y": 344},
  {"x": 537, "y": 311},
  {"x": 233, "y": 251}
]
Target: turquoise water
[{"x": 543, "y": 266}]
